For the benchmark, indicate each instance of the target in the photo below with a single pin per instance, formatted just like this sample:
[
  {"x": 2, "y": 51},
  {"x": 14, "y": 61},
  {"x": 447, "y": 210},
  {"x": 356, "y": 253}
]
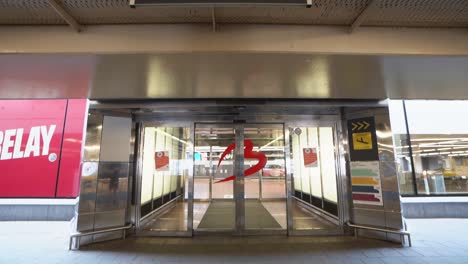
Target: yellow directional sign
[
  {"x": 362, "y": 140},
  {"x": 356, "y": 126}
]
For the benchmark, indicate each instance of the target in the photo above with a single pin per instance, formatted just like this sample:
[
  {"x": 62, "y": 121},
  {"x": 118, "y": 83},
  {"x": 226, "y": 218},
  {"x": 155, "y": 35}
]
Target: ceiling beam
[
  {"x": 65, "y": 15},
  {"x": 360, "y": 18}
]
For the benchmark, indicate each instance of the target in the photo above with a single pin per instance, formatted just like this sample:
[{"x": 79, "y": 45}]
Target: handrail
[
  {"x": 78, "y": 235},
  {"x": 400, "y": 232}
]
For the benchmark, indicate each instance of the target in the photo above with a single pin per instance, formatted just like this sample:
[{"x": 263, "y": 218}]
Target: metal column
[{"x": 239, "y": 192}]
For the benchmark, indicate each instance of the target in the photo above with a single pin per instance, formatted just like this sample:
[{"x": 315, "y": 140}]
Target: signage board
[
  {"x": 34, "y": 137},
  {"x": 365, "y": 183},
  {"x": 362, "y": 139}
]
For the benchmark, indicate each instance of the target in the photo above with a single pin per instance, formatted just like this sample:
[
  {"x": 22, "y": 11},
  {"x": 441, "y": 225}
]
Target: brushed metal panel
[
  {"x": 369, "y": 217},
  {"x": 86, "y": 240},
  {"x": 425, "y": 77},
  {"x": 112, "y": 194},
  {"x": 116, "y": 135},
  {"x": 228, "y": 75},
  {"x": 88, "y": 187},
  {"x": 93, "y": 137},
  {"x": 372, "y": 234},
  {"x": 87, "y": 201},
  {"x": 391, "y": 201},
  {"x": 394, "y": 220},
  {"x": 109, "y": 219},
  {"x": 132, "y": 142},
  {"x": 131, "y": 193},
  {"x": 107, "y": 236},
  {"x": 85, "y": 222},
  {"x": 112, "y": 190},
  {"x": 275, "y": 75},
  {"x": 223, "y": 75},
  {"x": 389, "y": 179},
  {"x": 42, "y": 76},
  {"x": 380, "y": 235}
]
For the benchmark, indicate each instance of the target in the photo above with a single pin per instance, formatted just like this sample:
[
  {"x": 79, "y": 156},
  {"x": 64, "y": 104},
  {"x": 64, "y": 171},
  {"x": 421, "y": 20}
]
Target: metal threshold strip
[{"x": 219, "y": 3}]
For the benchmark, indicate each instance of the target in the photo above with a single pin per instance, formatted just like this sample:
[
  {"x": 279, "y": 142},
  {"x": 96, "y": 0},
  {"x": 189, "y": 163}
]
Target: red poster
[
  {"x": 310, "y": 157},
  {"x": 30, "y": 142},
  {"x": 162, "y": 160}
]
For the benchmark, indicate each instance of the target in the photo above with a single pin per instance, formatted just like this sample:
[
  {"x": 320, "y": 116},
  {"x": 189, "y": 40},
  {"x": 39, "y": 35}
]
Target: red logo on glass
[{"x": 248, "y": 154}]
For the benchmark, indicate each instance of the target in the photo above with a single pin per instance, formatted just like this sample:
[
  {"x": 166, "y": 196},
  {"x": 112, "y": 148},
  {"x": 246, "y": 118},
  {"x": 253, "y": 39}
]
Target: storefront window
[
  {"x": 439, "y": 146},
  {"x": 165, "y": 168},
  {"x": 439, "y": 139},
  {"x": 402, "y": 147}
]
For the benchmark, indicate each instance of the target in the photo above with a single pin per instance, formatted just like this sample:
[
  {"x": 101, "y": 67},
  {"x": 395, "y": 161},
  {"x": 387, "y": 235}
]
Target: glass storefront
[
  {"x": 239, "y": 191},
  {"x": 431, "y": 145}
]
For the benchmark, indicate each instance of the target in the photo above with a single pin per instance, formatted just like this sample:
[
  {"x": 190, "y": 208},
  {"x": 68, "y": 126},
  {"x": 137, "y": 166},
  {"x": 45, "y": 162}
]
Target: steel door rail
[
  {"x": 79, "y": 235},
  {"x": 400, "y": 232}
]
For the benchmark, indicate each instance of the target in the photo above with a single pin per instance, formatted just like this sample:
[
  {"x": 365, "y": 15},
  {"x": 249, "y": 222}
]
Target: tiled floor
[{"x": 434, "y": 241}]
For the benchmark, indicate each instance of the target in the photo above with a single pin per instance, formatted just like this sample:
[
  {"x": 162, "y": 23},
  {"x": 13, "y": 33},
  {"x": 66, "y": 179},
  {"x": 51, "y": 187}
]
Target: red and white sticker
[
  {"x": 162, "y": 160},
  {"x": 310, "y": 157}
]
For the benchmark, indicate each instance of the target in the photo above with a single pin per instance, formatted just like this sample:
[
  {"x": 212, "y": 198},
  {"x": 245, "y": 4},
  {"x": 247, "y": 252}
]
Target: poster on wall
[
  {"x": 365, "y": 183},
  {"x": 310, "y": 157},
  {"x": 162, "y": 160}
]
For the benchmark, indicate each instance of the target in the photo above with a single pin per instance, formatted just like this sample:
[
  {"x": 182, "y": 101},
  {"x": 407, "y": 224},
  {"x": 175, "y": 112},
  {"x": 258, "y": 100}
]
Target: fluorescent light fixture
[
  {"x": 271, "y": 142},
  {"x": 173, "y": 137},
  {"x": 211, "y": 3}
]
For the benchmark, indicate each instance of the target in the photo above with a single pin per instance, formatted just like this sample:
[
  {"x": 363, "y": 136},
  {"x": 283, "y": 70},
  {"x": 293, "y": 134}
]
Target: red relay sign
[
  {"x": 162, "y": 160},
  {"x": 34, "y": 139},
  {"x": 310, "y": 157}
]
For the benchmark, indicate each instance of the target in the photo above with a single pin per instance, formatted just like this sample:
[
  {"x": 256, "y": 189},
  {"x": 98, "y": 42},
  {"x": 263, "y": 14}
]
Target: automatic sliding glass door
[
  {"x": 264, "y": 177},
  {"x": 239, "y": 178},
  {"x": 214, "y": 204}
]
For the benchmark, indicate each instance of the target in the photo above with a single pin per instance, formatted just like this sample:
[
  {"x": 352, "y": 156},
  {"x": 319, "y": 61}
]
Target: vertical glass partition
[
  {"x": 214, "y": 204},
  {"x": 165, "y": 169},
  {"x": 313, "y": 174},
  {"x": 264, "y": 178}
]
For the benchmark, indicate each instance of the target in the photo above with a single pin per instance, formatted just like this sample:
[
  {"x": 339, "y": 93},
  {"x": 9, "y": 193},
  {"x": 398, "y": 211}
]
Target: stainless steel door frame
[
  {"x": 139, "y": 176},
  {"x": 340, "y": 170},
  {"x": 210, "y": 198},
  {"x": 245, "y": 231},
  {"x": 239, "y": 182}
]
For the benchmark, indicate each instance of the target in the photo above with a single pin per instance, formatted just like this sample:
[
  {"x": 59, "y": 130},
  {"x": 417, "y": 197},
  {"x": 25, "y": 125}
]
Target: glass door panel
[
  {"x": 214, "y": 205},
  {"x": 264, "y": 177},
  {"x": 327, "y": 163},
  {"x": 261, "y": 192}
]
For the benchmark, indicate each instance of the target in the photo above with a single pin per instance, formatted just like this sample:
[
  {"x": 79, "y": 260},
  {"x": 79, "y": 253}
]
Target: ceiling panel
[
  {"x": 425, "y": 13},
  {"x": 450, "y": 13}
]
